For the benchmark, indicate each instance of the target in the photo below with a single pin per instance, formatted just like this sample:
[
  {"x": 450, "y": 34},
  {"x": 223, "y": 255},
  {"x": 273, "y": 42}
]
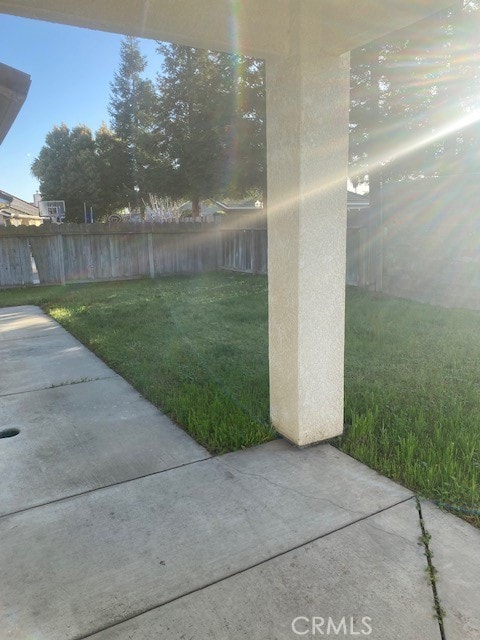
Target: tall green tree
[
  {"x": 411, "y": 95},
  {"x": 248, "y": 152},
  {"x": 210, "y": 122},
  {"x": 113, "y": 171},
  {"x": 131, "y": 108},
  {"x": 67, "y": 169},
  {"x": 49, "y": 165}
]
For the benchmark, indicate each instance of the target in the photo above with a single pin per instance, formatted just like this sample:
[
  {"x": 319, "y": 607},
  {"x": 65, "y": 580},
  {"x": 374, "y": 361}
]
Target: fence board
[
  {"x": 77, "y": 259},
  {"x": 15, "y": 262},
  {"x": 360, "y": 270},
  {"x": 244, "y": 250},
  {"x": 45, "y": 254}
]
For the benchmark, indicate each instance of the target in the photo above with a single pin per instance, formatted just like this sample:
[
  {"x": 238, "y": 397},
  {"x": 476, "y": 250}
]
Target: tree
[
  {"x": 249, "y": 151},
  {"x": 48, "y": 167},
  {"x": 202, "y": 135},
  {"x": 411, "y": 95},
  {"x": 213, "y": 143},
  {"x": 113, "y": 171},
  {"x": 67, "y": 168},
  {"x": 132, "y": 106}
]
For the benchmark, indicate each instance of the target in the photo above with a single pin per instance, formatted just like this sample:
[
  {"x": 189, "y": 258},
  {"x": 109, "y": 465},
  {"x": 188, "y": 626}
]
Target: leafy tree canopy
[
  {"x": 132, "y": 108},
  {"x": 198, "y": 133},
  {"x": 67, "y": 168},
  {"x": 414, "y": 98},
  {"x": 211, "y": 122}
]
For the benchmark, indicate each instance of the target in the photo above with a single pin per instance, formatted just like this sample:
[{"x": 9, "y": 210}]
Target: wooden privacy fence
[
  {"x": 15, "y": 260},
  {"x": 243, "y": 250},
  {"x": 93, "y": 252},
  {"x": 246, "y": 250},
  {"x": 362, "y": 247}
]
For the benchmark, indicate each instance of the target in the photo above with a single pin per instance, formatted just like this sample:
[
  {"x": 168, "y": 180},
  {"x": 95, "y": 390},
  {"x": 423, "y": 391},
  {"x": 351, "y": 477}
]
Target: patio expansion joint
[
  {"x": 431, "y": 570},
  {"x": 68, "y": 383},
  {"x": 241, "y": 571},
  {"x": 105, "y": 487}
]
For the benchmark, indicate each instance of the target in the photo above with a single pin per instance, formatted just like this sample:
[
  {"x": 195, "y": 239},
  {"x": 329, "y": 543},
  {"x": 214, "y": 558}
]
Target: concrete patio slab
[
  {"x": 80, "y": 437},
  {"x": 82, "y": 564},
  {"x": 117, "y": 526},
  {"x": 456, "y": 556},
  {"x": 368, "y": 580},
  {"x": 54, "y": 359},
  {"x": 27, "y": 321}
]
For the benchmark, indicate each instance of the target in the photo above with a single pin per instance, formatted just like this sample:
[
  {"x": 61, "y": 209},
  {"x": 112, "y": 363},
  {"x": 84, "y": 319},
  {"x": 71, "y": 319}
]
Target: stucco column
[{"x": 307, "y": 143}]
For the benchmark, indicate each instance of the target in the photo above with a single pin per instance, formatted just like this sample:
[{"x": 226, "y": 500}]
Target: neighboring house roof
[
  {"x": 247, "y": 205},
  {"x": 14, "y": 86},
  {"x": 13, "y": 207},
  {"x": 354, "y": 201},
  {"x": 205, "y": 208}
]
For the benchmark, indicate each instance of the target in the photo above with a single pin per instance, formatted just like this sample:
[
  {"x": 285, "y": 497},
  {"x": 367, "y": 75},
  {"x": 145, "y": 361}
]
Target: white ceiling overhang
[{"x": 257, "y": 27}]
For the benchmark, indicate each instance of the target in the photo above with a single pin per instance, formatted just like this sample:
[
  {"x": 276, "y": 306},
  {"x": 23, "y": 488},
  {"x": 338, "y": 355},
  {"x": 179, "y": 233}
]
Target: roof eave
[{"x": 14, "y": 86}]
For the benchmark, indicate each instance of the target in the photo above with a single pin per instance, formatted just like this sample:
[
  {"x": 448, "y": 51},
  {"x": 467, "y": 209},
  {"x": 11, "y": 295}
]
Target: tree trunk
[{"x": 195, "y": 207}]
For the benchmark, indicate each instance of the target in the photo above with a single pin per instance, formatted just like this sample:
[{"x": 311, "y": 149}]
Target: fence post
[
  {"x": 256, "y": 251},
  {"x": 362, "y": 234},
  {"x": 219, "y": 239},
  {"x": 61, "y": 258},
  {"x": 151, "y": 263}
]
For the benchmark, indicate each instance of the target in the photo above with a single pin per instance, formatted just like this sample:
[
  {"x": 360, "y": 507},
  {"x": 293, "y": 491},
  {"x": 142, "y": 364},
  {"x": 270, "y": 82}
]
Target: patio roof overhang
[
  {"x": 247, "y": 26},
  {"x": 14, "y": 87}
]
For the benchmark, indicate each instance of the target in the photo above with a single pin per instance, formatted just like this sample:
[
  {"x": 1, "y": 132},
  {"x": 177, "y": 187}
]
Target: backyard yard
[{"x": 197, "y": 348}]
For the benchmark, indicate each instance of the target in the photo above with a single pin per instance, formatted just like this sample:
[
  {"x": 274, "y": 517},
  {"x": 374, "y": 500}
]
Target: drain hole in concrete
[{"x": 9, "y": 433}]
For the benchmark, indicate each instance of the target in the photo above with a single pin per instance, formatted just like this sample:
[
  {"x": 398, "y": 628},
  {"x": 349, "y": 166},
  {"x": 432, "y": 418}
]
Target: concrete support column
[{"x": 307, "y": 142}]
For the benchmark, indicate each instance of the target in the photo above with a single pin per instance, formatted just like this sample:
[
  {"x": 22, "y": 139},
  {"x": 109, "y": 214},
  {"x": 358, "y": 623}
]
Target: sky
[{"x": 71, "y": 70}]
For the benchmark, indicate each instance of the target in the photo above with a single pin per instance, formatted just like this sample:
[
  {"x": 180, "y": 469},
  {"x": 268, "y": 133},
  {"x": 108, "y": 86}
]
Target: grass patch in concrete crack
[{"x": 431, "y": 570}]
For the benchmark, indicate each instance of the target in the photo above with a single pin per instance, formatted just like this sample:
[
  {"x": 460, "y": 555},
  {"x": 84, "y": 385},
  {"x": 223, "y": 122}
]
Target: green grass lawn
[{"x": 197, "y": 348}]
